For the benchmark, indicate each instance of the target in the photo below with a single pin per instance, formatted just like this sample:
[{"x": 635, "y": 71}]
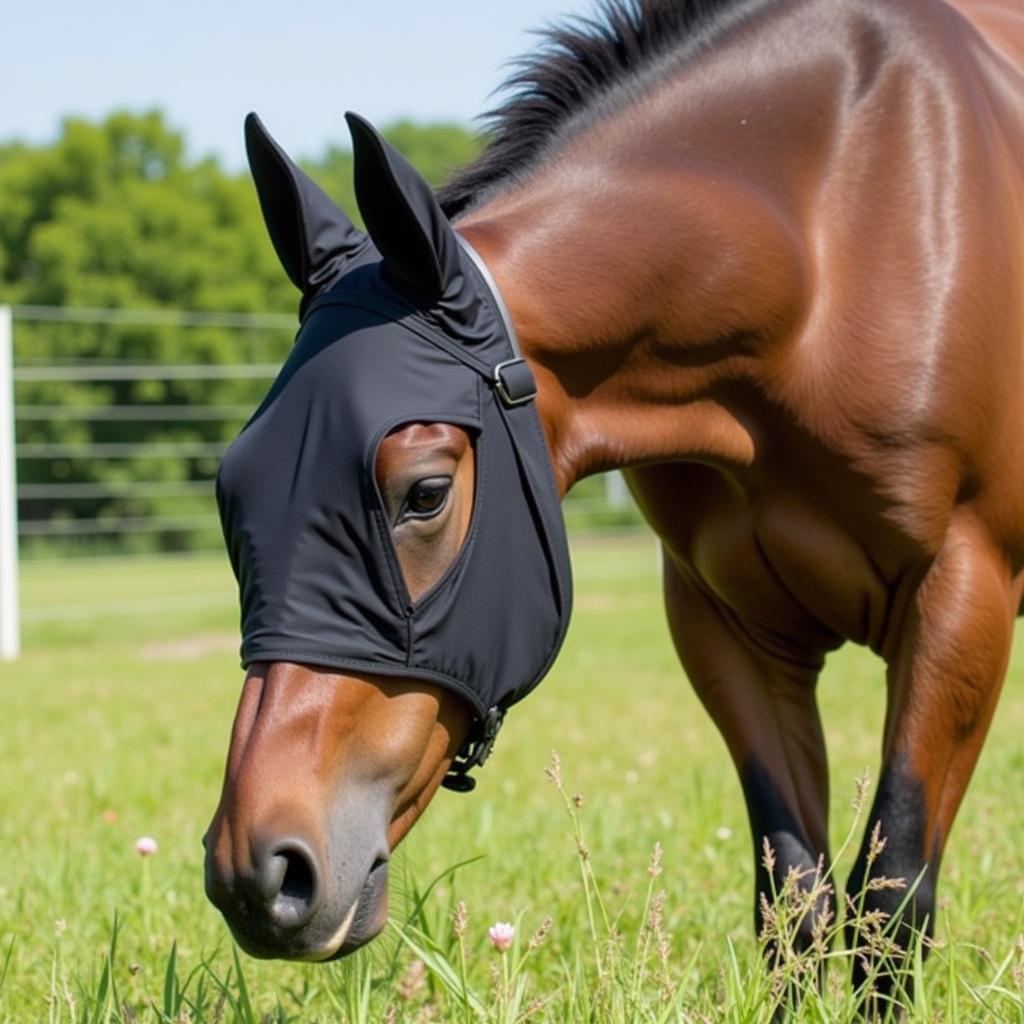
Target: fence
[{"x": 113, "y": 422}]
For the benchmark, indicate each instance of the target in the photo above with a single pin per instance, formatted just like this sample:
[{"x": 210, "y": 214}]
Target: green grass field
[{"x": 115, "y": 724}]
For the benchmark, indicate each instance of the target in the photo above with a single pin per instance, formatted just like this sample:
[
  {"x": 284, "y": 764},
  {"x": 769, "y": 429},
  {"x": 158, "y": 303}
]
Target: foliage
[{"x": 114, "y": 215}]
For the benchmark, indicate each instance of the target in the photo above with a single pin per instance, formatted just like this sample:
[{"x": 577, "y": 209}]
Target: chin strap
[{"x": 474, "y": 752}]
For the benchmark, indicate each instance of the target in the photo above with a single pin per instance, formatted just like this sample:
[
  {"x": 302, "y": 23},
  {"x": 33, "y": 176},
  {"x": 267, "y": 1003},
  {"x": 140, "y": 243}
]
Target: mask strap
[
  {"x": 474, "y": 752},
  {"x": 512, "y": 378},
  {"x": 492, "y": 286}
]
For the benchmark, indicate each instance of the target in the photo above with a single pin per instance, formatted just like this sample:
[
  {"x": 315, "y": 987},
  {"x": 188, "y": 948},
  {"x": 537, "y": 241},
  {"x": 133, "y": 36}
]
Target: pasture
[{"x": 115, "y": 726}]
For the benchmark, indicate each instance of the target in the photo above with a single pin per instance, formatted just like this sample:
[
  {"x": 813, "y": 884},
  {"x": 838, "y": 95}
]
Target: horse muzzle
[{"x": 290, "y": 898}]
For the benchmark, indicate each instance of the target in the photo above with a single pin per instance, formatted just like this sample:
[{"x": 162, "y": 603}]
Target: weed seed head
[
  {"x": 655, "y": 868},
  {"x": 460, "y": 920},
  {"x": 1018, "y": 967},
  {"x": 554, "y": 770},
  {"x": 413, "y": 980},
  {"x": 539, "y": 937},
  {"x": 863, "y": 784},
  {"x": 877, "y": 844},
  {"x": 881, "y": 882}
]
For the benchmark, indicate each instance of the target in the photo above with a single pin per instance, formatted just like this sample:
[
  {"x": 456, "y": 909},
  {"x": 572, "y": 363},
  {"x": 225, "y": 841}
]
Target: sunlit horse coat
[{"x": 767, "y": 256}]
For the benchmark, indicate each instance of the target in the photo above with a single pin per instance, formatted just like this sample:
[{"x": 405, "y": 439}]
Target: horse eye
[{"x": 426, "y": 498}]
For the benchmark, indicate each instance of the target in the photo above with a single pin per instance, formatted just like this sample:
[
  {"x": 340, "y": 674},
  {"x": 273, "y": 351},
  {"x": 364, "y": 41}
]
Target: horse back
[
  {"x": 908, "y": 365},
  {"x": 999, "y": 22},
  {"x": 895, "y": 406}
]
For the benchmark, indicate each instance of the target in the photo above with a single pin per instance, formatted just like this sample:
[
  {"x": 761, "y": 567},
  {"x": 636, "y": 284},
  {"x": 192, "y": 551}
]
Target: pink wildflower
[
  {"x": 501, "y": 934},
  {"x": 146, "y": 846}
]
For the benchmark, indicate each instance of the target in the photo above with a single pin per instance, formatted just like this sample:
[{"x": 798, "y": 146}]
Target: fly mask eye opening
[{"x": 425, "y": 478}]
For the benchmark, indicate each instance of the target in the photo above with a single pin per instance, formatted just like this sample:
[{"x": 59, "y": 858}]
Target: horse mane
[{"x": 581, "y": 70}]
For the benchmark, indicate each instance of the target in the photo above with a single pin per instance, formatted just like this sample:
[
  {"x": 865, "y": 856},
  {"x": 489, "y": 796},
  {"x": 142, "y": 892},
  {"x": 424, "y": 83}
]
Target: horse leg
[
  {"x": 944, "y": 676},
  {"x": 765, "y": 707}
]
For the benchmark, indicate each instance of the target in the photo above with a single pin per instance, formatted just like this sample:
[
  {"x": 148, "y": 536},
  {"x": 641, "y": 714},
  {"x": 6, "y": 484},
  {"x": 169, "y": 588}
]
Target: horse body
[
  {"x": 776, "y": 276},
  {"x": 818, "y": 400}
]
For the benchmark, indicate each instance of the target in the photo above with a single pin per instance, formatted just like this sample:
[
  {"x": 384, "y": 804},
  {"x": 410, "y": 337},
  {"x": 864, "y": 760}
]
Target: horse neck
[{"x": 652, "y": 261}]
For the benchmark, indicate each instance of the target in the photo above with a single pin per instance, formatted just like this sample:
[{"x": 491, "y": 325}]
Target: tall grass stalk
[{"x": 591, "y": 891}]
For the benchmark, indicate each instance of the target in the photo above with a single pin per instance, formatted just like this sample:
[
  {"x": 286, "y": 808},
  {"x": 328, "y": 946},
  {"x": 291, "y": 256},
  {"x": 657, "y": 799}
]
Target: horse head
[{"x": 393, "y": 523}]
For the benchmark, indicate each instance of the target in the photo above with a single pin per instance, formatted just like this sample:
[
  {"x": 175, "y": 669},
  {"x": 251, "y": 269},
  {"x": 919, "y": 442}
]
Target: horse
[{"x": 765, "y": 257}]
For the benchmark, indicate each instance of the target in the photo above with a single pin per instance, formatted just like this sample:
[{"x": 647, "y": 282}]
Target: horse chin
[
  {"x": 364, "y": 921},
  {"x": 329, "y": 936}
]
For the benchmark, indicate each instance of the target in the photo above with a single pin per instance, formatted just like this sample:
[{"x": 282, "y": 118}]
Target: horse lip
[
  {"x": 335, "y": 947},
  {"x": 337, "y": 940}
]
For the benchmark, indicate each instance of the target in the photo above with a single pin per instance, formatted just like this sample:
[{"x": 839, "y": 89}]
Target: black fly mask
[{"x": 398, "y": 326}]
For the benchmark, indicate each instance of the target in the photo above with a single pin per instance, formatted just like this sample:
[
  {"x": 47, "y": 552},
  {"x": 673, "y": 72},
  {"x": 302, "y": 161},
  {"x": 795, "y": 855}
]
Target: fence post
[
  {"x": 616, "y": 493},
  {"x": 10, "y": 633}
]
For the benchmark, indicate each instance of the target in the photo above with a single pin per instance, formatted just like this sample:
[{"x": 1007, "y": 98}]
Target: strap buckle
[
  {"x": 474, "y": 752},
  {"x": 513, "y": 380}
]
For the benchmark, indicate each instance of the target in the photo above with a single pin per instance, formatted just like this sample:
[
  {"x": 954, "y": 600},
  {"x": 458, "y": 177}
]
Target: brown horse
[{"x": 767, "y": 257}]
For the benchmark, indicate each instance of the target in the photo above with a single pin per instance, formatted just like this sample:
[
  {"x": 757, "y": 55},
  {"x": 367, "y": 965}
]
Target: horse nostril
[
  {"x": 298, "y": 876},
  {"x": 298, "y": 887}
]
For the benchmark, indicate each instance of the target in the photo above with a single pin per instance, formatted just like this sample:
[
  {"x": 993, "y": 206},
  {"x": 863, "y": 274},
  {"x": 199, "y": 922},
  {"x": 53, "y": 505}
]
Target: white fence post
[
  {"x": 10, "y": 632},
  {"x": 616, "y": 493}
]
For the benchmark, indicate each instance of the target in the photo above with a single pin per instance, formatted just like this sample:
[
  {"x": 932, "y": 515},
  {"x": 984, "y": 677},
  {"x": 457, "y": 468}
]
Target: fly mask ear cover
[{"x": 403, "y": 333}]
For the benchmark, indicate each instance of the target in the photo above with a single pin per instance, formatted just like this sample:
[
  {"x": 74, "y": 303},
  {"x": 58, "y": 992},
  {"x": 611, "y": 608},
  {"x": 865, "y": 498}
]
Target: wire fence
[{"x": 119, "y": 421}]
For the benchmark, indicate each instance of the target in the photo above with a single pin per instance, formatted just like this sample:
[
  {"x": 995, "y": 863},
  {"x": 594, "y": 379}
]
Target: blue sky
[{"x": 300, "y": 64}]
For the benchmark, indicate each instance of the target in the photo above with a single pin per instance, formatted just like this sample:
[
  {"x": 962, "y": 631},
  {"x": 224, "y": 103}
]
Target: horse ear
[
  {"x": 402, "y": 216},
  {"x": 313, "y": 238}
]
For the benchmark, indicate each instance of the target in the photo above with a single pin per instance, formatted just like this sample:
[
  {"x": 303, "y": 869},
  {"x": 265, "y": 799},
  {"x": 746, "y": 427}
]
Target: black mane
[{"x": 582, "y": 62}]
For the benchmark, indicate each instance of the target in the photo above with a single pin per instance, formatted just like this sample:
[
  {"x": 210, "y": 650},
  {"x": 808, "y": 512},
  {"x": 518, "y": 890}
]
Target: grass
[{"x": 116, "y": 725}]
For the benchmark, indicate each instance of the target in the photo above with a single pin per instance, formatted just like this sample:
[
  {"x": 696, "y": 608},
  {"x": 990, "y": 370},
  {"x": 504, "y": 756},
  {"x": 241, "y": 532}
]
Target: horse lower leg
[
  {"x": 944, "y": 680},
  {"x": 765, "y": 707}
]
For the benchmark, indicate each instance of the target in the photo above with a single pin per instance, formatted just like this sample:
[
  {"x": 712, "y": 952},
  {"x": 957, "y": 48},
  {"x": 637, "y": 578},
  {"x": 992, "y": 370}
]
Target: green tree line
[{"x": 115, "y": 215}]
